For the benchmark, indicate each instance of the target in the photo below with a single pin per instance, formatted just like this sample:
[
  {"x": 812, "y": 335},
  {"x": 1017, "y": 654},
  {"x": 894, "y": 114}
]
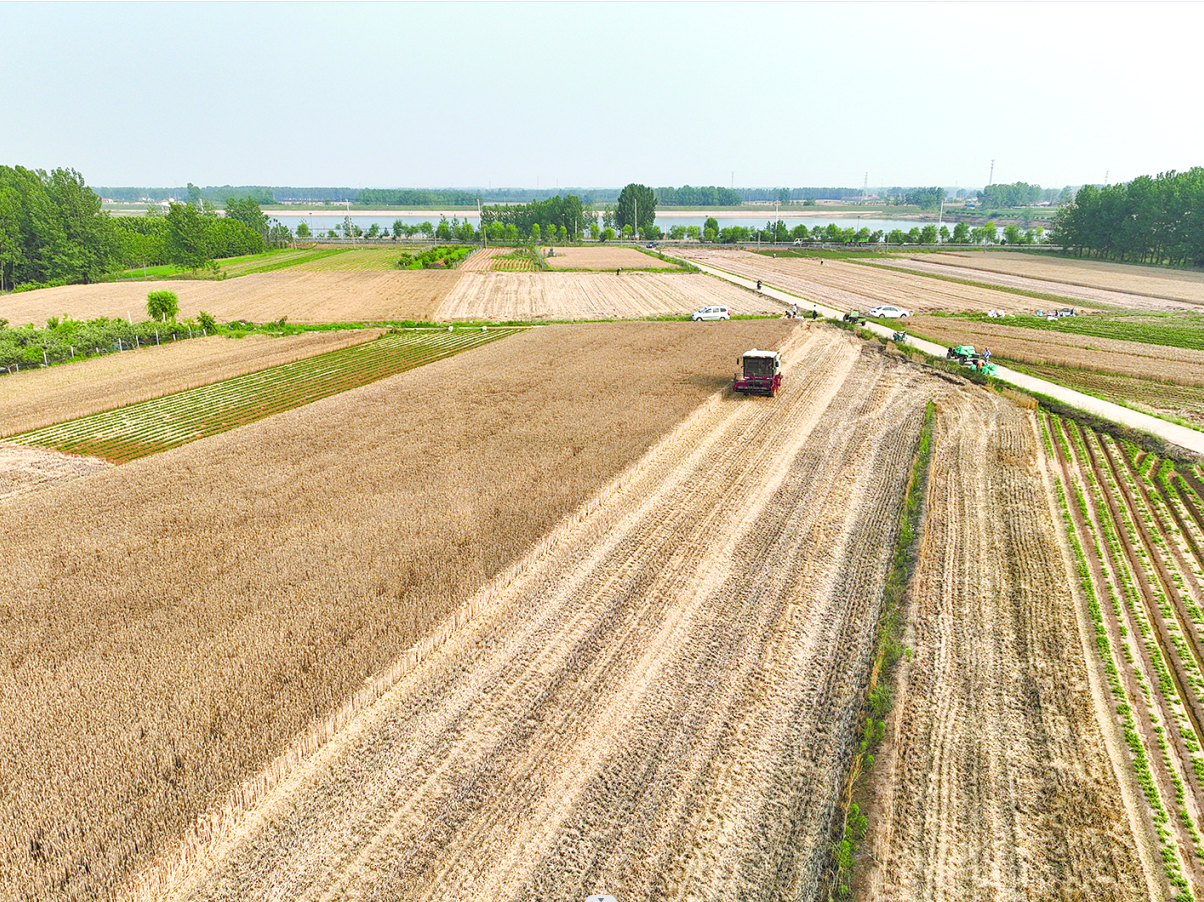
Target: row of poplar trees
[{"x": 1147, "y": 220}]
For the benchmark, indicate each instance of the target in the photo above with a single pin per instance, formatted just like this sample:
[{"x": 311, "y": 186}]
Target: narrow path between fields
[{"x": 1191, "y": 439}]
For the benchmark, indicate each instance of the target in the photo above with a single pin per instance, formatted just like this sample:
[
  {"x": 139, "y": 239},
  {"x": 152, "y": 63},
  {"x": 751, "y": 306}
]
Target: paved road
[{"x": 1191, "y": 439}]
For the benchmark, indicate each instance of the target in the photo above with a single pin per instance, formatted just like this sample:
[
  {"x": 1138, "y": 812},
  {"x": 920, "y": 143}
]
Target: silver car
[
  {"x": 710, "y": 313},
  {"x": 888, "y": 311}
]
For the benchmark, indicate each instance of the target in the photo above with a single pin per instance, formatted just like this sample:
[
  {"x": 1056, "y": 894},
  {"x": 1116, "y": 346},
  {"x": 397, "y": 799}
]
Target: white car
[
  {"x": 710, "y": 313},
  {"x": 888, "y": 311}
]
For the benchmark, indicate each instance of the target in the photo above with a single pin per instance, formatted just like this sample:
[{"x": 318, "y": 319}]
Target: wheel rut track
[
  {"x": 537, "y": 693},
  {"x": 996, "y": 788}
]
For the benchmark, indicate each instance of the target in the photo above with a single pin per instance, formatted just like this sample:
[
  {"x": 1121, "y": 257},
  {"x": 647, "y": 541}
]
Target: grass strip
[{"x": 878, "y": 698}]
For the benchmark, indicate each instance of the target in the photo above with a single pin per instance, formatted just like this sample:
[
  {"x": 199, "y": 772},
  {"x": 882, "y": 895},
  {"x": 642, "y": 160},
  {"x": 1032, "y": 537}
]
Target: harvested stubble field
[
  {"x": 23, "y": 469},
  {"x": 1153, "y": 282},
  {"x": 1171, "y": 401},
  {"x": 171, "y": 625},
  {"x": 1136, "y": 524},
  {"x": 35, "y": 398},
  {"x": 1004, "y": 775},
  {"x": 482, "y": 260},
  {"x": 1099, "y": 298},
  {"x": 325, "y": 297},
  {"x": 856, "y": 286},
  {"x": 127, "y": 433},
  {"x": 660, "y": 704},
  {"x": 535, "y": 296},
  {"x": 605, "y": 258},
  {"x": 1037, "y": 347}
]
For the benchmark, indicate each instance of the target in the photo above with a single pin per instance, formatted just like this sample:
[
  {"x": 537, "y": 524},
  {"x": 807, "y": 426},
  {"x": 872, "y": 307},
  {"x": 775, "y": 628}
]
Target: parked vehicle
[
  {"x": 710, "y": 313},
  {"x": 888, "y": 311}
]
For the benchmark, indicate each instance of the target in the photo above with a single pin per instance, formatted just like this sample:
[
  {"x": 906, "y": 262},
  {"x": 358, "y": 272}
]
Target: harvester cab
[{"x": 760, "y": 373}]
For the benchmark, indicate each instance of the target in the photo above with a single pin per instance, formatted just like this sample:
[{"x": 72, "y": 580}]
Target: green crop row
[
  {"x": 175, "y": 419},
  {"x": 1140, "y": 757}
]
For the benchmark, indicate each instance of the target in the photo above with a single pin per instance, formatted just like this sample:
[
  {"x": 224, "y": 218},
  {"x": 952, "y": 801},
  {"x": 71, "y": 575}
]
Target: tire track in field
[
  {"x": 640, "y": 711},
  {"x": 999, "y": 782}
]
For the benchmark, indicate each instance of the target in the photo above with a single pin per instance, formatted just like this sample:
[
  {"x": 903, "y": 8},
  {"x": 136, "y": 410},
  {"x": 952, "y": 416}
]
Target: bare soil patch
[
  {"x": 501, "y": 297},
  {"x": 169, "y": 626},
  {"x": 35, "y": 398},
  {"x": 24, "y": 469},
  {"x": 1153, "y": 282},
  {"x": 604, "y": 258},
  {"x": 853, "y": 286},
  {"x": 318, "y": 297}
]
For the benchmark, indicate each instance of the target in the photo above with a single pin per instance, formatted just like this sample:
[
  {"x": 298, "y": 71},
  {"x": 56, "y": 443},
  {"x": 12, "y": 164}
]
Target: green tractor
[{"x": 967, "y": 356}]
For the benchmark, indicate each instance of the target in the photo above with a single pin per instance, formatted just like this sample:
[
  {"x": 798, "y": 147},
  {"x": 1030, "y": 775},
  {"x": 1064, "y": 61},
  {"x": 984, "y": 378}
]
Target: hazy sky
[{"x": 601, "y": 94}]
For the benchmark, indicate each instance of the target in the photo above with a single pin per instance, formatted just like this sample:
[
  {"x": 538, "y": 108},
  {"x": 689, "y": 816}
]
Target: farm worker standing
[
  {"x": 619, "y": 270},
  {"x": 986, "y": 354}
]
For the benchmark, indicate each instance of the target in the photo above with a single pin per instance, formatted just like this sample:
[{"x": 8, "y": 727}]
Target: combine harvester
[
  {"x": 967, "y": 356},
  {"x": 760, "y": 373}
]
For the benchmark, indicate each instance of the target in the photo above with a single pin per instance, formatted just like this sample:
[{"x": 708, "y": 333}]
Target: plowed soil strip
[
  {"x": 151, "y": 426},
  {"x": 660, "y": 704}
]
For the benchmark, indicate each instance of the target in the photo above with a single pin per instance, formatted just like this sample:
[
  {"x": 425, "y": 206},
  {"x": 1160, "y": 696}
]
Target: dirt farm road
[
  {"x": 661, "y": 701},
  {"x": 1182, "y": 436}
]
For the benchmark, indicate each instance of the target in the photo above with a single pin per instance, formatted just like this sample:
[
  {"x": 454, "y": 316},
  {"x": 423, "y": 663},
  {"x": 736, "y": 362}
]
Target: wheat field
[{"x": 172, "y": 624}]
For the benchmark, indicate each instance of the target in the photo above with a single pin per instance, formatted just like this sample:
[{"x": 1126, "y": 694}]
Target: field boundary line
[{"x": 218, "y": 830}]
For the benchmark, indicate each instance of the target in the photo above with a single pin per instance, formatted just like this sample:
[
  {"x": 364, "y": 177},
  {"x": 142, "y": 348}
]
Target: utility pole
[{"x": 991, "y": 177}]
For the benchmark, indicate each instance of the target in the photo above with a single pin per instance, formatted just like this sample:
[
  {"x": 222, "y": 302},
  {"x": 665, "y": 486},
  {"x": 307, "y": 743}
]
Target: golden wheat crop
[
  {"x": 171, "y": 625},
  {"x": 302, "y": 297},
  {"x": 35, "y": 398}
]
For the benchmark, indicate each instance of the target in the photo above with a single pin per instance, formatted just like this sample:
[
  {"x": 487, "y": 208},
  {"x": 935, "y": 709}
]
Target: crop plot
[
  {"x": 1136, "y": 523},
  {"x": 130, "y": 432},
  {"x": 1152, "y": 282},
  {"x": 502, "y": 297},
  {"x": 1039, "y": 347},
  {"x": 302, "y": 297},
  {"x": 44, "y": 397},
  {"x": 602, "y": 259},
  {"x": 658, "y": 704},
  {"x": 373, "y": 258},
  {"x": 855, "y": 286},
  {"x": 1002, "y": 767},
  {"x": 1073, "y": 295}
]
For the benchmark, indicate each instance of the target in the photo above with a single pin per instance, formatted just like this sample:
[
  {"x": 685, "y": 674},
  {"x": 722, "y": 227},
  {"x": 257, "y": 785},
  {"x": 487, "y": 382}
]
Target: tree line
[
  {"x": 53, "y": 232},
  {"x": 51, "y": 229},
  {"x": 1156, "y": 219}
]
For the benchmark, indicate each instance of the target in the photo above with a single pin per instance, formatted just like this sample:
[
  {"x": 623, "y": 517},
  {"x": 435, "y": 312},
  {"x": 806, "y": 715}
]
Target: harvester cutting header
[{"x": 760, "y": 373}]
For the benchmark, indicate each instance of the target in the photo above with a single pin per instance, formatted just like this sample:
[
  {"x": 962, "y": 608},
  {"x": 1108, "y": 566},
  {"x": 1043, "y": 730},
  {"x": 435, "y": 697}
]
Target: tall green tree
[
  {"x": 162, "y": 305},
  {"x": 246, "y": 210},
  {"x": 635, "y": 201},
  {"x": 188, "y": 237}
]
